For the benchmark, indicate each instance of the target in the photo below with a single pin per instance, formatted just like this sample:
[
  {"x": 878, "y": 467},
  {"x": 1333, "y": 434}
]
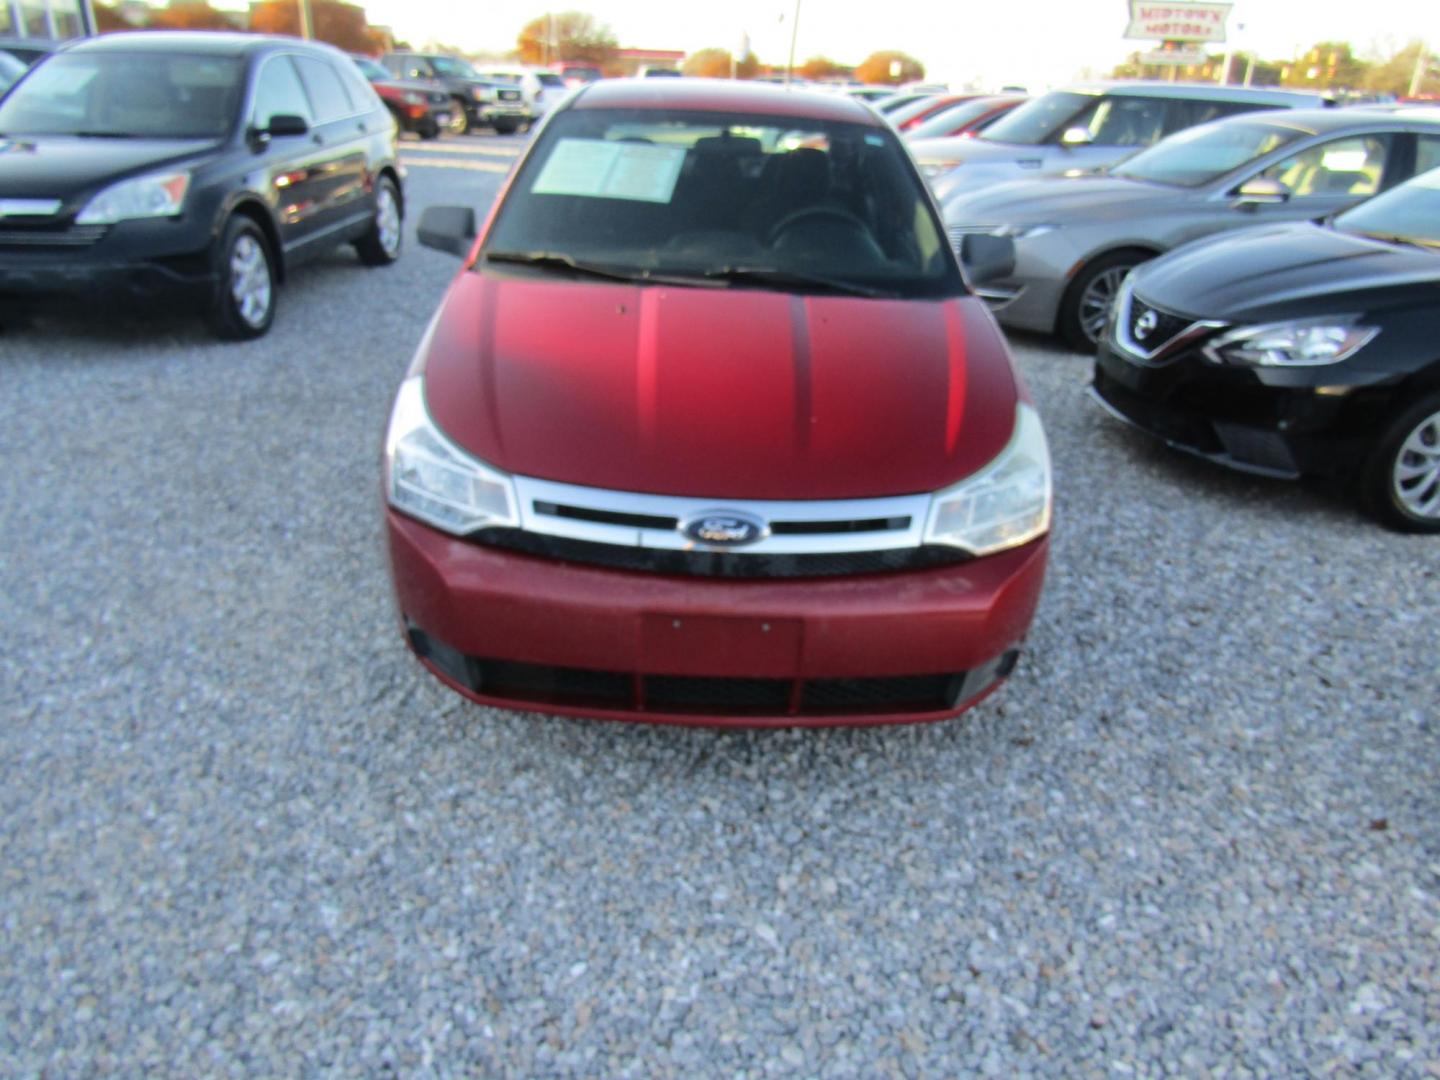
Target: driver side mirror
[
  {"x": 986, "y": 258},
  {"x": 1261, "y": 191},
  {"x": 450, "y": 229},
  {"x": 1077, "y": 136},
  {"x": 287, "y": 124}
]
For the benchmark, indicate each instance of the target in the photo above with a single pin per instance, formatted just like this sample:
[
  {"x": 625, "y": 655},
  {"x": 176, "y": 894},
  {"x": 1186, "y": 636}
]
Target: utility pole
[
  {"x": 1422, "y": 61},
  {"x": 794, "y": 30},
  {"x": 305, "y": 31}
]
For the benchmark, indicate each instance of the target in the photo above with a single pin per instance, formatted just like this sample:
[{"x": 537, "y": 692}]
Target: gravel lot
[{"x": 245, "y": 834}]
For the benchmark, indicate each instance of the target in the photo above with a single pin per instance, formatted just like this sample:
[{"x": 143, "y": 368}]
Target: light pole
[
  {"x": 794, "y": 30},
  {"x": 305, "y": 30}
]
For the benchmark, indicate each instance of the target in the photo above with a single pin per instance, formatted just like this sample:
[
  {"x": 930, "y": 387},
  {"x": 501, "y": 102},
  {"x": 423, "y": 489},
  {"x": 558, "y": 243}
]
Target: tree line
[{"x": 1328, "y": 65}]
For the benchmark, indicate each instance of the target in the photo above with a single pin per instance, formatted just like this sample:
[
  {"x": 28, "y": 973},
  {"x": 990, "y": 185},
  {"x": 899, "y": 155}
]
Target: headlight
[
  {"x": 935, "y": 168},
  {"x": 1005, "y": 504},
  {"x": 412, "y": 98},
  {"x": 156, "y": 195},
  {"x": 1305, "y": 343},
  {"x": 478, "y": 93},
  {"x": 430, "y": 478},
  {"x": 1022, "y": 232}
]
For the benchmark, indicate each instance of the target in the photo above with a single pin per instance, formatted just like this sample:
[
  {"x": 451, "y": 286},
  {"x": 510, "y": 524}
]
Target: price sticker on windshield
[{"x": 602, "y": 169}]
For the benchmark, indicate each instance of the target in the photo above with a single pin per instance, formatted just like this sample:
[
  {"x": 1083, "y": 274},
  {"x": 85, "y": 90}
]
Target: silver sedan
[{"x": 1077, "y": 237}]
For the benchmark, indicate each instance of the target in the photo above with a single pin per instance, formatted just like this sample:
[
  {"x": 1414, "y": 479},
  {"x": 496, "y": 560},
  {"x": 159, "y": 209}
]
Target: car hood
[
  {"x": 724, "y": 393},
  {"x": 1060, "y": 200},
  {"x": 66, "y": 166},
  {"x": 1237, "y": 275}
]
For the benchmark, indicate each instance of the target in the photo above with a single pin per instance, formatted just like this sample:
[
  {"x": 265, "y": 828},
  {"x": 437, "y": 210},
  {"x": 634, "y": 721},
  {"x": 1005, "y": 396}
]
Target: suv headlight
[
  {"x": 479, "y": 93},
  {"x": 1022, "y": 232},
  {"x": 1304, "y": 343},
  {"x": 155, "y": 195},
  {"x": 1005, "y": 504},
  {"x": 430, "y": 478},
  {"x": 411, "y": 97}
]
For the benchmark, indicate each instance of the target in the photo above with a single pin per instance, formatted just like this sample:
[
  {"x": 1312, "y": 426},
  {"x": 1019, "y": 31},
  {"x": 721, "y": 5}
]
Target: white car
[{"x": 541, "y": 88}]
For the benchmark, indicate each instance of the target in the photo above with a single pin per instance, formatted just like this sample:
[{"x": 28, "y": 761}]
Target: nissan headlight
[
  {"x": 1005, "y": 504},
  {"x": 430, "y": 478},
  {"x": 1305, "y": 343},
  {"x": 151, "y": 196}
]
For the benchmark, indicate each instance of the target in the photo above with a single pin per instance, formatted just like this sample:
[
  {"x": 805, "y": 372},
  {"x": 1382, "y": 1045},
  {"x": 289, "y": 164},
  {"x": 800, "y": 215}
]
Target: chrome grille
[
  {"x": 1151, "y": 333},
  {"x": 642, "y": 532}
]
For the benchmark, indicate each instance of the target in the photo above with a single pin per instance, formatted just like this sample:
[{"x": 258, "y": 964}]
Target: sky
[{"x": 1036, "y": 43}]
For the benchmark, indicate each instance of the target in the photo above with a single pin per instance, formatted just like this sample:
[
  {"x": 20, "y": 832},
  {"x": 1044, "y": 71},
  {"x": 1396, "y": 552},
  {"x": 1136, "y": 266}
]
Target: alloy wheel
[
  {"x": 1095, "y": 301},
  {"x": 1415, "y": 475},
  {"x": 387, "y": 220},
  {"x": 250, "y": 285}
]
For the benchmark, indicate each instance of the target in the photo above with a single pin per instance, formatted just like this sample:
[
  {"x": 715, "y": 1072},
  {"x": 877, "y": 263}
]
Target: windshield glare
[
  {"x": 1039, "y": 120},
  {"x": 453, "y": 66},
  {"x": 370, "y": 69},
  {"x": 1409, "y": 212},
  {"x": 1200, "y": 154},
  {"x": 138, "y": 95},
  {"x": 686, "y": 194}
]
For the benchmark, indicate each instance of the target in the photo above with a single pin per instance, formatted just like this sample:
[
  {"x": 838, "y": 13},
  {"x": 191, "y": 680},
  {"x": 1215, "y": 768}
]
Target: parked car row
[{"x": 1298, "y": 340}]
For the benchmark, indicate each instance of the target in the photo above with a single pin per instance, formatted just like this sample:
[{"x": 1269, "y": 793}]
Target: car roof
[
  {"x": 1325, "y": 121},
  {"x": 723, "y": 95},
  {"x": 206, "y": 42},
  {"x": 1198, "y": 92}
]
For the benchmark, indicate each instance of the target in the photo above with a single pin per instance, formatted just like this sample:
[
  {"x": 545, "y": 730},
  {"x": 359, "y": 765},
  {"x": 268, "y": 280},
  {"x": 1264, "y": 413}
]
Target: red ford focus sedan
[{"x": 710, "y": 428}]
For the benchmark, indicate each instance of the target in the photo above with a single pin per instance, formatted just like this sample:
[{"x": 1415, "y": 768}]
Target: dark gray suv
[{"x": 480, "y": 102}]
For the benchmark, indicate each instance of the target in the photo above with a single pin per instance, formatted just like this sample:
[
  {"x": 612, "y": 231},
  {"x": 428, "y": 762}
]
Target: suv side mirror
[
  {"x": 1077, "y": 136},
  {"x": 1261, "y": 191},
  {"x": 448, "y": 228},
  {"x": 986, "y": 258},
  {"x": 287, "y": 124}
]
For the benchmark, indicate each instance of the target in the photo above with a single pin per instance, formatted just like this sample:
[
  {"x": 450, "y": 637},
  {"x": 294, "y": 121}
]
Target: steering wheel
[{"x": 795, "y": 217}]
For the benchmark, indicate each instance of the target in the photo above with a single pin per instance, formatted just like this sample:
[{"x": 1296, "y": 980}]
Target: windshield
[
  {"x": 1198, "y": 155},
  {"x": 127, "y": 95},
  {"x": 1037, "y": 121},
  {"x": 647, "y": 192},
  {"x": 10, "y": 70},
  {"x": 947, "y": 120},
  {"x": 1410, "y": 212},
  {"x": 453, "y": 66},
  {"x": 370, "y": 69}
]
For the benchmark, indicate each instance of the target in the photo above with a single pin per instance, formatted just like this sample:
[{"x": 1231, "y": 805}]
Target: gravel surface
[{"x": 244, "y": 834}]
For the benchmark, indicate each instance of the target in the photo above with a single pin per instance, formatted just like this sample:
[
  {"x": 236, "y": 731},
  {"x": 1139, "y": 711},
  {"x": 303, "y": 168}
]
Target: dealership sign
[{"x": 1177, "y": 21}]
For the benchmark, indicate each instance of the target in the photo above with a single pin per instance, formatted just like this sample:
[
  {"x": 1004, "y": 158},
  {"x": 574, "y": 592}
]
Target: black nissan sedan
[
  {"x": 191, "y": 166},
  {"x": 1296, "y": 350}
]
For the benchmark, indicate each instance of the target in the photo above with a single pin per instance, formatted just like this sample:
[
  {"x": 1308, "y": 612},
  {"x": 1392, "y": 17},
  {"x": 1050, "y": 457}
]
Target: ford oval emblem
[{"x": 724, "y": 528}]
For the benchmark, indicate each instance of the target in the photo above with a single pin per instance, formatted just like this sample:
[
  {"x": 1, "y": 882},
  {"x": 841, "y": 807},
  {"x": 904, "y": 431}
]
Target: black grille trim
[
  {"x": 605, "y": 517},
  {"x": 720, "y": 564},
  {"x": 823, "y": 528},
  {"x": 72, "y": 237},
  {"x": 1167, "y": 326}
]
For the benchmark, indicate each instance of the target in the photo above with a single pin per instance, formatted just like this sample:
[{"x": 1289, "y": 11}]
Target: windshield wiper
[
  {"x": 771, "y": 275},
  {"x": 557, "y": 260},
  {"x": 109, "y": 135}
]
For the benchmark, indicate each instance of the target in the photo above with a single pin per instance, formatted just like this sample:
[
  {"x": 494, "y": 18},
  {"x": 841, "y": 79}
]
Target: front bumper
[
  {"x": 138, "y": 260},
  {"x": 1235, "y": 418},
  {"x": 520, "y": 631}
]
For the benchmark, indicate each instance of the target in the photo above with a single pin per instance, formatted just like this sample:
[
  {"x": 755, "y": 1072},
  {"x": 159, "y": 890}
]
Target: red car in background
[
  {"x": 710, "y": 429},
  {"x": 969, "y": 117},
  {"x": 421, "y": 107}
]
